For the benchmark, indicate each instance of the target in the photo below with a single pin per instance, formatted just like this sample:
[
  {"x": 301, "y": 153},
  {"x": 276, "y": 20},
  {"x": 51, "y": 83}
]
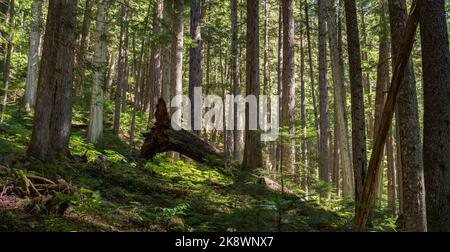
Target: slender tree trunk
[
  {"x": 235, "y": 72},
  {"x": 288, "y": 97},
  {"x": 100, "y": 61},
  {"x": 153, "y": 85},
  {"x": 391, "y": 177},
  {"x": 53, "y": 114},
  {"x": 126, "y": 66},
  {"x": 195, "y": 60},
  {"x": 304, "y": 146},
  {"x": 33, "y": 56},
  {"x": 279, "y": 79},
  {"x": 82, "y": 49},
  {"x": 366, "y": 75},
  {"x": 357, "y": 98},
  {"x": 339, "y": 103},
  {"x": 323, "y": 93},
  {"x": 267, "y": 147},
  {"x": 252, "y": 151},
  {"x": 167, "y": 55},
  {"x": 122, "y": 75},
  {"x": 9, "y": 52},
  {"x": 368, "y": 196},
  {"x": 436, "y": 85},
  {"x": 139, "y": 78},
  {"x": 177, "y": 49},
  {"x": 382, "y": 80},
  {"x": 111, "y": 75},
  {"x": 409, "y": 131},
  {"x": 311, "y": 72}
]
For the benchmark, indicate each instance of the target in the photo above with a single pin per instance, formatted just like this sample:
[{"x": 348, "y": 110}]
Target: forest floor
[{"x": 118, "y": 193}]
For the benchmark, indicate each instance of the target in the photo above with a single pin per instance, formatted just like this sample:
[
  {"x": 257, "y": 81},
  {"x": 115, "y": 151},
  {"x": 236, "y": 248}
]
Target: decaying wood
[
  {"x": 272, "y": 185},
  {"x": 163, "y": 138},
  {"x": 368, "y": 197}
]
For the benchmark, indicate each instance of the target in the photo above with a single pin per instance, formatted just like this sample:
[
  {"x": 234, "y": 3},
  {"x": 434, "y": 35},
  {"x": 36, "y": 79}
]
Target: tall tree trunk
[
  {"x": 166, "y": 53},
  {"x": 391, "y": 176},
  {"x": 235, "y": 72},
  {"x": 177, "y": 56},
  {"x": 122, "y": 75},
  {"x": 288, "y": 97},
  {"x": 139, "y": 77},
  {"x": 339, "y": 103},
  {"x": 195, "y": 61},
  {"x": 252, "y": 151},
  {"x": 279, "y": 78},
  {"x": 408, "y": 125},
  {"x": 311, "y": 72},
  {"x": 267, "y": 146},
  {"x": 323, "y": 93},
  {"x": 366, "y": 74},
  {"x": 33, "y": 56},
  {"x": 436, "y": 85},
  {"x": 382, "y": 80},
  {"x": 357, "y": 98},
  {"x": 100, "y": 61},
  {"x": 53, "y": 115},
  {"x": 153, "y": 84},
  {"x": 82, "y": 49},
  {"x": 126, "y": 66},
  {"x": 304, "y": 146},
  {"x": 368, "y": 196},
  {"x": 111, "y": 74},
  {"x": 9, "y": 52}
]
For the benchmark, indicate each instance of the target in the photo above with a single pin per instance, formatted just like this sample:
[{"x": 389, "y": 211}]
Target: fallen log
[{"x": 162, "y": 138}]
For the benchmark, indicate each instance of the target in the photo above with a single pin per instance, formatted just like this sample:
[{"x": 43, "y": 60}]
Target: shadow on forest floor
[{"x": 121, "y": 194}]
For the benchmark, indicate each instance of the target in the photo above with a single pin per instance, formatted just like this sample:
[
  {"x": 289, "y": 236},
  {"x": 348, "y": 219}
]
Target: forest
[{"x": 225, "y": 116}]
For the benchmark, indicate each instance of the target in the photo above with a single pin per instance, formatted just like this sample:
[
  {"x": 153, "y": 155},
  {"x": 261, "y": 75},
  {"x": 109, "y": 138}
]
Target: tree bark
[
  {"x": 235, "y": 72},
  {"x": 195, "y": 60},
  {"x": 288, "y": 97},
  {"x": 252, "y": 151},
  {"x": 357, "y": 98},
  {"x": 279, "y": 79},
  {"x": 323, "y": 93},
  {"x": 409, "y": 131},
  {"x": 368, "y": 196},
  {"x": 382, "y": 79},
  {"x": 311, "y": 72},
  {"x": 53, "y": 115},
  {"x": 366, "y": 75},
  {"x": 391, "y": 176},
  {"x": 339, "y": 103},
  {"x": 177, "y": 56},
  {"x": 166, "y": 54},
  {"x": 122, "y": 75},
  {"x": 153, "y": 85},
  {"x": 304, "y": 145},
  {"x": 95, "y": 129},
  {"x": 436, "y": 85},
  {"x": 80, "y": 59},
  {"x": 33, "y": 56}
]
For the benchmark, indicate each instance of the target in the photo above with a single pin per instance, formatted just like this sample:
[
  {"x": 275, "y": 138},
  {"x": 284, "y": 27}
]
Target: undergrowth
[{"x": 121, "y": 192}]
